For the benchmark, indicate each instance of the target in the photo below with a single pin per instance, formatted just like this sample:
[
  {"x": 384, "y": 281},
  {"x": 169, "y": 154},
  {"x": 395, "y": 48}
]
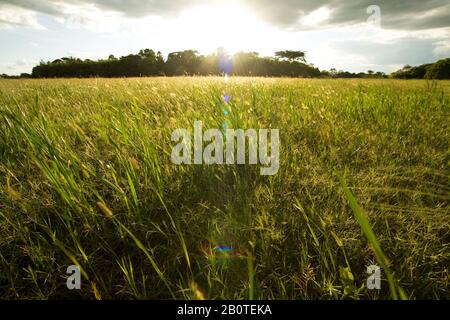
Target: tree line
[
  {"x": 438, "y": 70},
  {"x": 189, "y": 62},
  {"x": 147, "y": 63}
]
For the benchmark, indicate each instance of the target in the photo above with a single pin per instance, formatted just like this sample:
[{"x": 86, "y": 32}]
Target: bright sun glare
[{"x": 230, "y": 26}]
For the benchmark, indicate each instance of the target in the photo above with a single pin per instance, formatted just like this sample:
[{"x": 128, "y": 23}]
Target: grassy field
[{"x": 86, "y": 178}]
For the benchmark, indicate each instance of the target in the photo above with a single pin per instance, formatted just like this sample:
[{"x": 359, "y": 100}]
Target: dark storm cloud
[
  {"x": 284, "y": 12},
  {"x": 407, "y": 15},
  {"x": 395, "y": 14}
]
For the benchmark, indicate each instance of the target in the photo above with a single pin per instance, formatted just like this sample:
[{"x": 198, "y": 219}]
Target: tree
[
  {"x": 291, "y": 56},
  {"x": 333, "y": 72},
  {"x": 408, "y": 72},
  {"x": 183, "y": 63},
  {"x": 439, "y": 70}
]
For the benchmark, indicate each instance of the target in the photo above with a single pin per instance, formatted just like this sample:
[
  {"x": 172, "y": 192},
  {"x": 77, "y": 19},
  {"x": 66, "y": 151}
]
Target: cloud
[
  {"x": 403, "y": 15},
  {"x": 396, "y": 15},
  {"x": 18, "y": 66},
  {"x": 12, "y": 16},
  {"x": 316, "y": 17},
  {"x": 89, "y": 17},
  {"x": 442, "y": 48},
  {"x": 401, "y": 51},
  {"x": 131, "y": 8},
  {"x": 370, "y": 48}
]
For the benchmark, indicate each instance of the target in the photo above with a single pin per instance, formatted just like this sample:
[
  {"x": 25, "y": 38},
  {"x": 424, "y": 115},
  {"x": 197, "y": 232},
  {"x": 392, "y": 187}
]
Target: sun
[{"x": 230, "y": 26}]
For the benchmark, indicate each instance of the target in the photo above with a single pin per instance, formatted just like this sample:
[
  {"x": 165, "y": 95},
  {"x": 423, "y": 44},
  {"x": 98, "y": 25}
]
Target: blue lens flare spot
[
  {"x": 226, "y": 64},
  {"x": 223, "y": 248},
  {"x": 226, "y": 98}
]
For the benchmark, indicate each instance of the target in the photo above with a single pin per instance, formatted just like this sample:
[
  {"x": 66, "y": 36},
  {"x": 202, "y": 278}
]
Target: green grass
[{"x": 86, "y": 178}]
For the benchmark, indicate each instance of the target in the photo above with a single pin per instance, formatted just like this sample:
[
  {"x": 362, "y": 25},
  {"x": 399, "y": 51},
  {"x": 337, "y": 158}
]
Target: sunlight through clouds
[
  {"x": 316, "y": 17},
  {"x": 231, "y": 26}
]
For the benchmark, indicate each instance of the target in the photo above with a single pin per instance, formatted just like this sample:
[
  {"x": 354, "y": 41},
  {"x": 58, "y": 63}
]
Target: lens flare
[{"x": 223, "y": 248}]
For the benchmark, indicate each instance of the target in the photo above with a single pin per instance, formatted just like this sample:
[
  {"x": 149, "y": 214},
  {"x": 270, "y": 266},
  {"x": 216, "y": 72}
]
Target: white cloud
[
  {"x": 441, "y": 48},
  {"x": 12, "y": 17},
  {"x": 89, "y": 17},
  {"x": 18, "y": 66},
  {"x": 316, "y": 17},
  {"x": 405, "y": 15}
]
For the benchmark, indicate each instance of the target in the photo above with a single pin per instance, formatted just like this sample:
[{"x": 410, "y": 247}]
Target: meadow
[{"x": 86, "y": 178}]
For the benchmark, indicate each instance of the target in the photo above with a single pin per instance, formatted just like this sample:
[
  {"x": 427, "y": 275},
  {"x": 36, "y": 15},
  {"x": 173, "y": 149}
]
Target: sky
[{"x": 351, "y": 35}]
